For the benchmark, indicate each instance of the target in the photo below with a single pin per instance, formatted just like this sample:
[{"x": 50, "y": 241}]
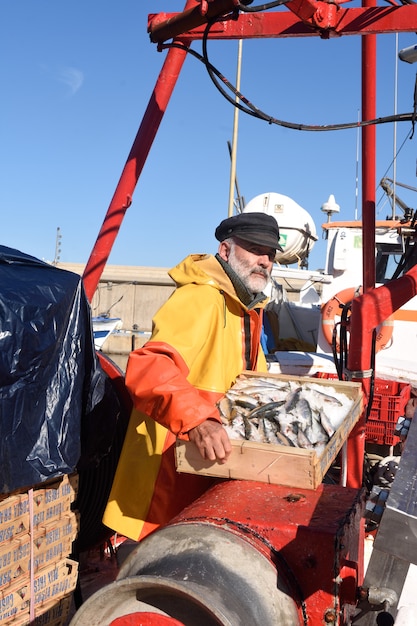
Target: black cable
[
  {"x": 340, "y": 343},
  {"x": 341, "y": 358},
  {"x": 415, "y": 107},
  {"x": 408, "y": 260},
  {"x": 372, "y": 382},
  {"x": 260, "y": 7},
  {"x": 251, "y": 109},
  {"x": 402, "y": 262},
  {"x": 409, "y": 257},
  {"x": 336, "y": 357},
  {"x": 346, "y": 311}
]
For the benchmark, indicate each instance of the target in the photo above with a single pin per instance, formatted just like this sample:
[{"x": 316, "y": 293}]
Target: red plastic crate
[
  {"x": 381, "y": 433},
  {"x": 390, "y": 398},
  {"x": 388, "y": 404}
]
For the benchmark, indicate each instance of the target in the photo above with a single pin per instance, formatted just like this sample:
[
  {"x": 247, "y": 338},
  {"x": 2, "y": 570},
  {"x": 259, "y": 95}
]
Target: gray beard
[{"x": 247, "y": 297}]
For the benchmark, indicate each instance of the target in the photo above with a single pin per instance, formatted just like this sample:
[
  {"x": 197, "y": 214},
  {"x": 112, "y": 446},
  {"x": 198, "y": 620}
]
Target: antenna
[
  {"x": 330, "y": 207},
  {"x": 357, "y": 170},
  {"x": 57, "y": 246},
  {"x": 235, "y": 133},
  {"x": 240, "y": 200},
  {"x": 394, "y": 165}
]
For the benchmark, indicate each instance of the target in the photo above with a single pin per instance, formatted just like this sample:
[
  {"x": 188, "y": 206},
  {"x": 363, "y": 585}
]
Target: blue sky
[{"x": 76, "y": 79}]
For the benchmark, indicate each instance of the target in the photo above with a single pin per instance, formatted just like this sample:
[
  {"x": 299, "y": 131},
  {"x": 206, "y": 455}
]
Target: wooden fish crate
[
  {"x": 50, "y": 585},
  {"x": 277, "y": 464}
]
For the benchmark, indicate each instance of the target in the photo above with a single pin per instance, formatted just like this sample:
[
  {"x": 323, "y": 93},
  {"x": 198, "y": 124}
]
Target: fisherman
[{"x": 203, "y": 337}]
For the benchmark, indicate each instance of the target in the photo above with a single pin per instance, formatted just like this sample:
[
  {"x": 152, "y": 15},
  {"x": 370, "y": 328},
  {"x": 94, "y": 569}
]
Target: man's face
[{"x": 251, "y": 262}]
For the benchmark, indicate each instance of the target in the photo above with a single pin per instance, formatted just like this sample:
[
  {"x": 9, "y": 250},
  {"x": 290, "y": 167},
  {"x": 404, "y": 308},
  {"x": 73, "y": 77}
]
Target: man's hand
[{"x": 211, "y": 440}]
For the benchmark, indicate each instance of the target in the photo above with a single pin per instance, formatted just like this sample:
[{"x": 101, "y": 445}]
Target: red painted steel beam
[
  {"x": 378, "y": 304},
  {"x": 122, "y": 197},
  {"x": 168, "y": 26},
  {"x": 325, "y": 22},
  {"x": 371, "y": 309},
  {"x": 368, "y": 159},
  {"x": 368, "y": 312}
]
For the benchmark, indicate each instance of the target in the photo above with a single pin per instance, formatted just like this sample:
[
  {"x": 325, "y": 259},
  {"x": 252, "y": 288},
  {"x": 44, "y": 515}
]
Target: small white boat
[{"x": 103, "y": 327}]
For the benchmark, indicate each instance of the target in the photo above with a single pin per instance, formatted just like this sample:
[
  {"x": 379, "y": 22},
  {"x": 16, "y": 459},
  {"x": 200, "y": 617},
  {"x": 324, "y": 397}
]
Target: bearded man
[{"x": 203, "y": 337}]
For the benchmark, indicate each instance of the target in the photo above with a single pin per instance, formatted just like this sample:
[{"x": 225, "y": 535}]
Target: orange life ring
[{"x": 333, "y": 308}]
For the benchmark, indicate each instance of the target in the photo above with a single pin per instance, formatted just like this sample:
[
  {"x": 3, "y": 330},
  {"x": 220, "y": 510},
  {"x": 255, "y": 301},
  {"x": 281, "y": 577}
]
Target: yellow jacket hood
[{"x": 205, "y": 269}]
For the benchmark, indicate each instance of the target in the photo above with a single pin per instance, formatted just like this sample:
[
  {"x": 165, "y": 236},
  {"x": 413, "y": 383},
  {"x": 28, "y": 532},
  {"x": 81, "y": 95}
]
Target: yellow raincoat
[{"x": 203, "y": 337}]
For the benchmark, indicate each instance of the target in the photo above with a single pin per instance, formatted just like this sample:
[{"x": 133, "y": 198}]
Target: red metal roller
[{"x": 145, "y": 619}]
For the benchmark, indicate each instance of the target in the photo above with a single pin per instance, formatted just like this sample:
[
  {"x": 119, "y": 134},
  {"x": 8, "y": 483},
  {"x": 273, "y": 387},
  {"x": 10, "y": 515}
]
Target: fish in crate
[
  {"x": 284, "y": 412},
  {"x": 282, "y": 430}
]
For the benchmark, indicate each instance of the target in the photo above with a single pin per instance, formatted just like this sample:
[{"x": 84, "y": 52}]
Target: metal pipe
[
  {"x": 359, "y": 356},
  {"x": 368, "y": 311},
  {"x": 271, "y": 24},
  {"x": 235, "y": 134},
  {"x": 162, "y": 28},
  {"x": 368, "y": 158}
]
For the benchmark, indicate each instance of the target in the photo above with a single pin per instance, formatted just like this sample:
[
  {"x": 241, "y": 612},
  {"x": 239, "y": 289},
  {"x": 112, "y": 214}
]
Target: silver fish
[
  {"x": 326, "y": 423},
  {"x": 316, "y": 433},
  {"x": 283, "y": 412},
  {"x": 251, "y": 431},
  {"x": 302, "y": 411},
  {"x": 225, "y": 406},
  {"x": 242, "y": 399},
  {"x": 324, "y": 397},
  {"x": 292, "y": 399},
  {"x": 264, "y": 408},
  {"x": 242, "y": 382}
]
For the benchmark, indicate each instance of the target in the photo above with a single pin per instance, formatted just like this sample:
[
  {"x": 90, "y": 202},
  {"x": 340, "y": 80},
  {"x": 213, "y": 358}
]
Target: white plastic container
[{"x": 296, "y": 226}]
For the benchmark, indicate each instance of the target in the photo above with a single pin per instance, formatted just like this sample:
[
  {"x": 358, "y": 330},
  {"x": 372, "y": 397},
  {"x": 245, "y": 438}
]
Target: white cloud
[{"x": 72, "y": 78}]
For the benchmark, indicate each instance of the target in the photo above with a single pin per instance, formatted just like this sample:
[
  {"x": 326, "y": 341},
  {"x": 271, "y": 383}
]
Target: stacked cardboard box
[{"x": 37, "y": 529}]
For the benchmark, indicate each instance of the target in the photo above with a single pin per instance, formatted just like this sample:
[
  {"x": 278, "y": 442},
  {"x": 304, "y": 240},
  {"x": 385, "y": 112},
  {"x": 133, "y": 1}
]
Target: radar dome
[{"x": 296, "y": 226}]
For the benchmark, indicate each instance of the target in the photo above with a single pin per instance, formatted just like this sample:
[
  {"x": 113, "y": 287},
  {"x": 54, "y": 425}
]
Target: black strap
[{"x": 247, "y": 340}]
